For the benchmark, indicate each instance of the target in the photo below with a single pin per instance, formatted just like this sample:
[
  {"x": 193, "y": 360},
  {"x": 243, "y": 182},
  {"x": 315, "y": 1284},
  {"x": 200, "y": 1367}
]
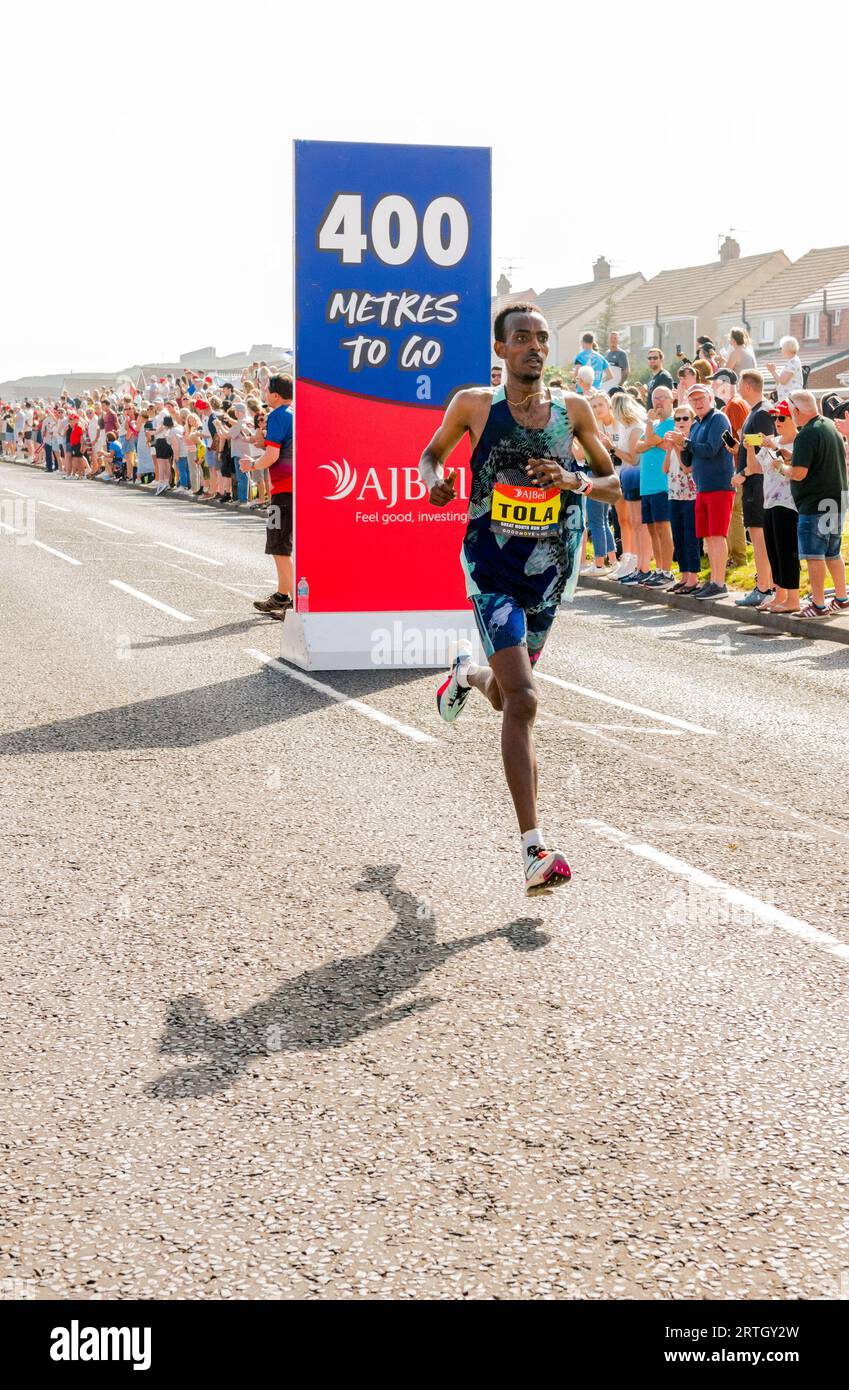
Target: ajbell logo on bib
[{"x": 522, "y": 510}]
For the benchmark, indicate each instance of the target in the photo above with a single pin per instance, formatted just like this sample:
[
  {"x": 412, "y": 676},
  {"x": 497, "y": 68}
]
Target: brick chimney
[
  {"x": 503, "y": 286},
  {"x": 729, "y": 251},
  {"x": 601, "y": 269}
]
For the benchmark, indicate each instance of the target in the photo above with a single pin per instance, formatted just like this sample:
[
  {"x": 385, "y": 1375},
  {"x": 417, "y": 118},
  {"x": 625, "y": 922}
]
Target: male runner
[{"x": 522, "y": 545}]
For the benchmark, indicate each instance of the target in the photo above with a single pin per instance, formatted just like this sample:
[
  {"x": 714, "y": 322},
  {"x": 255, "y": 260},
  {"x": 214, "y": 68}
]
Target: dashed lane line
[
  {"x": 763, "y": 912},
  {"x": 192, "y": 554},
  {"x": 60, "y": 553},
  {"x": 154, "y": 602},
  {"x": 357, "y": 706},
  {"x": 625, "y": 704}
]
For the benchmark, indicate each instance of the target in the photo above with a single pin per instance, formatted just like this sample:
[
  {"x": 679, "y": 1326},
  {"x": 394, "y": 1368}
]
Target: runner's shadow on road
[
  {"x": 189, "y": 718},
  {"x": 183, "y": 639},
  {"x": 328, "y": 1007}
]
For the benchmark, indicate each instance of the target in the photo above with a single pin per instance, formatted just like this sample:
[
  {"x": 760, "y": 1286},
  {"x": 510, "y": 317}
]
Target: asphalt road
[{"x": 280, "y": 1020}]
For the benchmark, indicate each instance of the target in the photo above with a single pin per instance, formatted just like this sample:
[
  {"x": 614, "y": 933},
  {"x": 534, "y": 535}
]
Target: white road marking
[
  {"x": 17, "y": 494},
  {"x": 736, "y": 793},
  {"x": 205, "y": 579},
  {"x": 61, "y": 554},
  {"x": 54, "y": 506},
  {"x": 110, "y": 524},
  {"x": 417, "y": 735},
  {"x": 625, "y": 704},
  {"x": 154, "y": 602},
  {"x": 193, "y": 555},
  {"x": 764, "y": 912}
]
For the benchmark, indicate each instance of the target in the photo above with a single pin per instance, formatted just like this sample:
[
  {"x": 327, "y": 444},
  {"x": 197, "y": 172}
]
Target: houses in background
[
  {"x": 767, "y": 294},
  {"x": 674, "y": 307}
]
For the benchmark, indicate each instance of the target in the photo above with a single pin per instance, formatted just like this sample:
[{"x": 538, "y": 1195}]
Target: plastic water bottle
[{"x": 303, "y": 593}]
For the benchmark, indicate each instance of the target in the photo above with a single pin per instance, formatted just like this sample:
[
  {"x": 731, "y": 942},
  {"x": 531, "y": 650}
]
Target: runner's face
[{"x": 526, "y": 347}]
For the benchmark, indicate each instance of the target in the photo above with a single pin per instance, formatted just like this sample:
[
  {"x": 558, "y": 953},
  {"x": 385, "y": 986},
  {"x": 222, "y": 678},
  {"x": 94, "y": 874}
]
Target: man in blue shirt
[
  {"x": 590, "y": 356},
  {"x": 706, "y": 452},
  {"x": 654, "y": 487}
]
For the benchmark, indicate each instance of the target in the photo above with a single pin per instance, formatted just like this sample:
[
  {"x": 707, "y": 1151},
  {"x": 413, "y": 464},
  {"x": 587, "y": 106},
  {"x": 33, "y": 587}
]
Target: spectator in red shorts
[{"x": 706, "y": 452}]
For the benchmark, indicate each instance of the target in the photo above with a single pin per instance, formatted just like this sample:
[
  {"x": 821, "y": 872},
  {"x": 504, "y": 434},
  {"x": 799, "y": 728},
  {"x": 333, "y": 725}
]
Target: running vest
[{"x": 522, "y": 538}]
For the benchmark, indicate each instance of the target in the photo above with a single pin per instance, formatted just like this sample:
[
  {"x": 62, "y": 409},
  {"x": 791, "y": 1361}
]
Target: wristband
[{"x": 585, "y": 485}]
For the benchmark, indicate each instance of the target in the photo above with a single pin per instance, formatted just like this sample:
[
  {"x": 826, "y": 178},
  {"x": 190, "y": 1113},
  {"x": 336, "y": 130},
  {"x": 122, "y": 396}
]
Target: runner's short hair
[
  {"x": 281, "y": 386},
  {"x": 503, "y": 314}
]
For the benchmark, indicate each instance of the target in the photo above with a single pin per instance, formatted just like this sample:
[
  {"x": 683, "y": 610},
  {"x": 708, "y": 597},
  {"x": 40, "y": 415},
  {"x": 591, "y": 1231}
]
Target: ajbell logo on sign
[{"x": 391, "y": 485}]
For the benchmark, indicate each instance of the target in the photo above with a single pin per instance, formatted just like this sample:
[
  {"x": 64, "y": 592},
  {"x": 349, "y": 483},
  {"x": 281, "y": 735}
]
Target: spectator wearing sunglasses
[
  {"x": 682, "y": 503},
  {"x": 654, "y": 486},
  {"x": 659, "y": 374},
  {"x": 818, "y": 481}
]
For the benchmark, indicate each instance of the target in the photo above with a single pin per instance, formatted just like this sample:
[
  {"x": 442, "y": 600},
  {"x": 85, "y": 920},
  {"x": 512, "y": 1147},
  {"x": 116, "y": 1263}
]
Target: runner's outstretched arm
[{"x": 454, "y": 425}]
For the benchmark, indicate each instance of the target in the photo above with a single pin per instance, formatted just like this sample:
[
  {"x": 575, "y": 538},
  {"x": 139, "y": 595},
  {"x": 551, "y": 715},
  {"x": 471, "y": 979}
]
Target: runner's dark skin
[{"x": 508, "y": 682}]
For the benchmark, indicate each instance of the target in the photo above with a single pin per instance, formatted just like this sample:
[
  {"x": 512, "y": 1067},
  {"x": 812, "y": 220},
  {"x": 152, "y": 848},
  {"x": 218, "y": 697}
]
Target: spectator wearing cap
[
  {"x": 277, "y": 458},
  {"x": 706, "y": 451},
  {"x": 818, "y": 481},
  {"x": 780, "y": 515},
  {"x": 731, "y": 403},
  {"x": 659, "y": 374},
  {"x": 757, "y": 424}
]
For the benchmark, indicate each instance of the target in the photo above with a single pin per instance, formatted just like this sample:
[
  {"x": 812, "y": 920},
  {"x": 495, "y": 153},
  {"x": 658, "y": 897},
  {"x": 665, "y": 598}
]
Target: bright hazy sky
[{"x": 146, "y": 206}]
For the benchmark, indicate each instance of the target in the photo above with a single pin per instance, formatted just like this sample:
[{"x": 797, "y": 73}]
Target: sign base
[{"x": 377, "y": 641}]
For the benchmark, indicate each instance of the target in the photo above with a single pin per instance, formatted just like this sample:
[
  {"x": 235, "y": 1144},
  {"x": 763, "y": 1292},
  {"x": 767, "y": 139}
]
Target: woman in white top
[
  {"x": 630, "y": 418},
  {"x": 780, "y": 514},
  {"x": 191, "y": 436},
  {"x": 788, "y": 372},
  {"x": 609, "y": 431}
]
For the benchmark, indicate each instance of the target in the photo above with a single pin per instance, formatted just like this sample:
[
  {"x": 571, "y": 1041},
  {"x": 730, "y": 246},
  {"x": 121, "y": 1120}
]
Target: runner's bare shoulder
[{"x": 472, "y": 404}]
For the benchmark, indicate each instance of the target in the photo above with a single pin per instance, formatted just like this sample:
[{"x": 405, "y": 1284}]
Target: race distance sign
[{"x": 392, "y": 316}]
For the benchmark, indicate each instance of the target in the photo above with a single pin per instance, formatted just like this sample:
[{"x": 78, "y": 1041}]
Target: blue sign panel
[{"x": 392, "y": 269}]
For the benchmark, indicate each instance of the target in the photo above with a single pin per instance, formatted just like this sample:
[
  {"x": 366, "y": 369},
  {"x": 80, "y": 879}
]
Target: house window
[
  {"x": 837, "y": 318},
  {"x": 812, "y": 325},
  {"x": 767, "y": 331},
  {"x": 648, "y": 335}
]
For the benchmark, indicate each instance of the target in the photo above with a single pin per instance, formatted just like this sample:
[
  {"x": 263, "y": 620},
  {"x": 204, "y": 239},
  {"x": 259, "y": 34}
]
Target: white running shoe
[
  {"x": 545, "y": 868},
  {"x": 159, "y": 489},
  {"x": 451, "y": 696},
  {"x": 627, "y": 565}
]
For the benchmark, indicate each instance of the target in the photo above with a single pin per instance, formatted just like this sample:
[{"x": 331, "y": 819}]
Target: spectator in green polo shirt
[{"x": 818, "y": 483}]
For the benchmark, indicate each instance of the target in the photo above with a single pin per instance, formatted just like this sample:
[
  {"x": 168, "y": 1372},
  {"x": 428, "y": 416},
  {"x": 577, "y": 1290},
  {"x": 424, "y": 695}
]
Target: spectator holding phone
[
  {"x": 708, "y": 452},
  {"x": 780, "y": 515},
  {"x": 818, "y": 481},
  {"x": 757, "y": 425}
]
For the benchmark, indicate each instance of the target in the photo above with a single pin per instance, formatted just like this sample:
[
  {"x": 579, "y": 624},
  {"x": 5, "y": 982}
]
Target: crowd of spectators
[
  {"x": 185, "y": 433},
  {"x": 705, "y": 458}
]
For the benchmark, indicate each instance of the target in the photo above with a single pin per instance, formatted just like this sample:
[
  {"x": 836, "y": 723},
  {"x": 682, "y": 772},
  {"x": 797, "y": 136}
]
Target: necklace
[{"x": 522, "y": 403}]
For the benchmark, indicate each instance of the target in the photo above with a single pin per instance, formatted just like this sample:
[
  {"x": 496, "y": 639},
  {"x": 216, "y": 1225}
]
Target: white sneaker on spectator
[{"x": 626, "y": 565}]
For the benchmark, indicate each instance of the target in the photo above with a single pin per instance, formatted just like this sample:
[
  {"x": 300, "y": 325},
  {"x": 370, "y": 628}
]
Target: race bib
[{"x": 522, "y": 510}]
